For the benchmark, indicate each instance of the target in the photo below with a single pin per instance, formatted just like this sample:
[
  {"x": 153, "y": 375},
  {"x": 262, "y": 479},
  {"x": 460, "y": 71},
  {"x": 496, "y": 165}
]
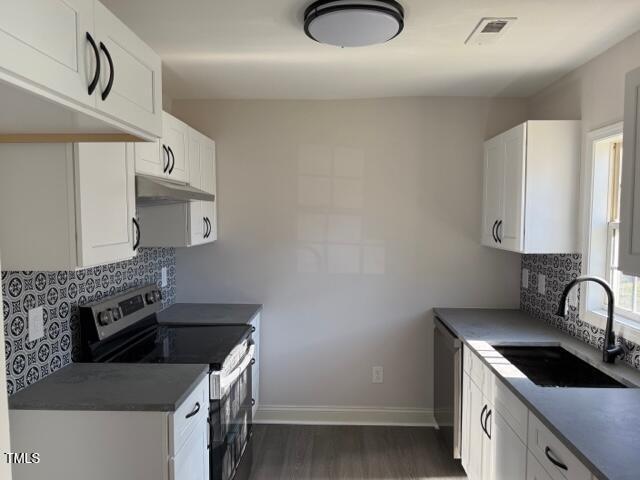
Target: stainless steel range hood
[{"x": 155, "y": 191}]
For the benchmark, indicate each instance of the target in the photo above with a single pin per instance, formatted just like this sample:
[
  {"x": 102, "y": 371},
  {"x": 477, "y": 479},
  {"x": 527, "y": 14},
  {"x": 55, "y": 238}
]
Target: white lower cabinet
[
  {"x": 123, "y": 445},
  {"x": 501, "y": 439},
  {"x": 66, "y": 206}
]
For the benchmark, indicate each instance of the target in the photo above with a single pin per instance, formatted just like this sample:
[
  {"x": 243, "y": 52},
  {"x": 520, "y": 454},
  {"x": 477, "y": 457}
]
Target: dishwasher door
[{"x": 447, "y": 360}]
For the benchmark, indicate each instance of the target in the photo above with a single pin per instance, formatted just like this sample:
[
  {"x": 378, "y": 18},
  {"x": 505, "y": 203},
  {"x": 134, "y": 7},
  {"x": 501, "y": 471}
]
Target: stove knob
[
  {"x": 157, "y": 295},
  {"x": 105, "y": 318},
  {"x": 116, "y": 314},
  {"x": 150, "y": 298}
]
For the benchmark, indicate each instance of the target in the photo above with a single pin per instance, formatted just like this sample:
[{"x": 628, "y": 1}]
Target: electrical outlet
[
  {"x": 377, "y": 375},
  {"x": 525, "y": 278},
  {"x": 163, "y": 274},
  {"x": 36, "y": 323},
  {"x": 542, "y": 284}
]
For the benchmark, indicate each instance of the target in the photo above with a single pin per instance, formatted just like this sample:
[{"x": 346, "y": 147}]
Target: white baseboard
[{"x": 337, "y": 415}]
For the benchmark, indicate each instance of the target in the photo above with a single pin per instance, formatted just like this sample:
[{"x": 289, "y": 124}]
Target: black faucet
[{"x": 610, "y": 350}]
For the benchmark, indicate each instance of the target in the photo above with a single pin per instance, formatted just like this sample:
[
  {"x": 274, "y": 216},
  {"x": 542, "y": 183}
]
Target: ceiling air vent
[{"x": 489, "y": 30}]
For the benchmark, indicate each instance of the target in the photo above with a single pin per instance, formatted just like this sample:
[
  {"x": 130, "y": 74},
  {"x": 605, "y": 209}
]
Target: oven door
[{"x": 231, "y": 419}]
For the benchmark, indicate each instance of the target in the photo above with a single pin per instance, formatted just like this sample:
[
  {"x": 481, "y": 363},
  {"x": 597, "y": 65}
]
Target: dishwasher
[{"x": 447, "y": 401}]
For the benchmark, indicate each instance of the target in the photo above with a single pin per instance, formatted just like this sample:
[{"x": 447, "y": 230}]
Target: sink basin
[{"x": 549, "y": 366}]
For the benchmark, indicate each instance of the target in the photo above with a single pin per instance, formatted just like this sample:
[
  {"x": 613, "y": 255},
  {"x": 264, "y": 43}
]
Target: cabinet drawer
[
  {"x": 184, "y": 420},
  {"x": 535, "y": 470},
  {"x": 474, "y": 367},
  {"x": 512, "y": 409},
  {"x": 548, "y": 449}
]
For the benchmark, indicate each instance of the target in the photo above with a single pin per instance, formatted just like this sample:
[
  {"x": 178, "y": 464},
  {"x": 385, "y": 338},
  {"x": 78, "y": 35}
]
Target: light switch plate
[
  {"x": 36, "y": 323},
  {"x": 163, "y": 281},
  {"x": 377, "y": 375},
  {"x": 525, "y": 278},
  {"x": 542, "y": 284}
]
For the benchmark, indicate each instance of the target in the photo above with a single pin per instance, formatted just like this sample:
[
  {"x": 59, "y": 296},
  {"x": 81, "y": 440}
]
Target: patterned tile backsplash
[
  {"x": 60, "y": 293},
  {"x": 558, "y": 271}
]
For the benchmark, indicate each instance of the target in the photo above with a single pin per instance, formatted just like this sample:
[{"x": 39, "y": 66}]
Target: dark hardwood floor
[{"x": 347, "y": 452}]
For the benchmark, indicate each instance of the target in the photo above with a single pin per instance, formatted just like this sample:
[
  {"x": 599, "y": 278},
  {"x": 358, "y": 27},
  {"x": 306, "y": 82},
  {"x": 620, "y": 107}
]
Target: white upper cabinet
[
  {"x": 130, "y": 86},
  {"x": 71, "y": 70},
  {"x": 66, "y": 206},
  {"x": 530, "y": 195},
  {"x": 174, "y": 148},
  {"x": 183, "y": 224},
  {"x": 45, "y": 41},
  {"x": 629, "y": 253}
]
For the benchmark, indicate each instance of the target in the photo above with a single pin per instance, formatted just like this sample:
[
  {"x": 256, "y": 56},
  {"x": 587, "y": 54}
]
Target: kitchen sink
[{"x": 552, "y": 366}]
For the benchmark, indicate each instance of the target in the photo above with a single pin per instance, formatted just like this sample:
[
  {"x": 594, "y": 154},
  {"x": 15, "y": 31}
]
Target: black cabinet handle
[
  {"x": 166, "y": 152},
  {"x": 137, "y": 242},
  {"x": 173, "y": 163},
  {"x": 253, "y": 361},
  {"x": 253, "y": 329},
  {"x": 557, "y": 463},
  {"x": 498, "y": 231},
  {"x": 253, "y": 402},
  {"x": 112, "y": 73},
  {"x": 493, "y": 231},
  {"x": 96, "y": 75},
  {"x": 484, "y": 409},
  {"x": 210, "y": 227},
  {"x": 194, "y": 411},
  {"x": 486, "y": 422}
]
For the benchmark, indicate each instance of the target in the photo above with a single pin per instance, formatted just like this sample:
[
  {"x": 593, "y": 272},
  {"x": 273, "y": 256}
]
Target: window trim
[{"x": 594, "y": 262}]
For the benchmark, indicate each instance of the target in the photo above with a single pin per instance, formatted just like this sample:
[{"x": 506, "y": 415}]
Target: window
[{"x": 625, "y": 287}]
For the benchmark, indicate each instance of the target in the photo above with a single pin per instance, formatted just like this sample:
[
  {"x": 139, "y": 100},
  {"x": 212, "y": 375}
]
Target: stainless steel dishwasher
[{"x": 447, "y": 401}]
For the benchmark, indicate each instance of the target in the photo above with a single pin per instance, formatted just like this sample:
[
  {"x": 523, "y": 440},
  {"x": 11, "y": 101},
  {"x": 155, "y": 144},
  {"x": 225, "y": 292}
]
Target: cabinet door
[
  {"x": 192, "y": 461},
  {"x": 210, "y": 212},
  {"x": 208, "y": 160},
  {"x": 134, "y": 70},
  {"x": 488, "y": 444},
  {"x": 148, "y": 159},
  {"x": 509, "y": 454},
  {"x": 45, "y": 41},
  {"x": 175, "y": 138},
  {"x": 476, "y": 409},
  {"x": 510, "y": 231},
  {"x": 197, "y": 223},
  {"x": 494, "y": 161},
  {"x": 105, "y": 202},
  {"x": 629, "y": 251},
  {"x": 196, "y": 141}
]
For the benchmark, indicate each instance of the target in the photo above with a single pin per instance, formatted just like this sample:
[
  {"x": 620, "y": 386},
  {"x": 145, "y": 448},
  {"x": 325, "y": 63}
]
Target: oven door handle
[{"x": 227, "y": 380}]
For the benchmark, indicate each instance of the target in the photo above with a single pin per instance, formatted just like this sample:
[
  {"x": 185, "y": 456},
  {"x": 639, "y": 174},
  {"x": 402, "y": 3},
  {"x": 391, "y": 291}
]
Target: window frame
[{"x": 595, "y": 226}]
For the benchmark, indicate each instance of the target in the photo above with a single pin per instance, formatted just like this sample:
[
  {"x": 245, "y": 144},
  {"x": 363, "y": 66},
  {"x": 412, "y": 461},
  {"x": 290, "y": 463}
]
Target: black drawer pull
[
  {"x": 499, "y": 226},
  {"x": 173, "y": 162},
  {"x": 112, "y": 73},
  {"x": 253, "y": 402},
  {"x": 493, "y": 231},
  {"x": 253, "y": 329},
  {"x": 166, "y": 152},
  {"x": 557, "y": 463},
  {"x": 484, "y": 409},
  {"x": 137, "y": 242},
  {"x": 253, "y": 361},
  {"x": 96, "y": 76},
  {"x": 194, "y": 411}
]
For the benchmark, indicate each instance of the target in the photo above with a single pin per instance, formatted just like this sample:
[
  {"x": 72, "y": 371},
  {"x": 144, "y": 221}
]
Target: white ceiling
[{"x": 257, "y": 48}]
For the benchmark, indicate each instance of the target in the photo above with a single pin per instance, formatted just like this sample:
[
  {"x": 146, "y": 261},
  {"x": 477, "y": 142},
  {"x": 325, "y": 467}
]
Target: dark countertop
[
  {"x": 600, "y": 426},
  {"x": 209, "y": 313},
  {"x": 112, "y": 387}
]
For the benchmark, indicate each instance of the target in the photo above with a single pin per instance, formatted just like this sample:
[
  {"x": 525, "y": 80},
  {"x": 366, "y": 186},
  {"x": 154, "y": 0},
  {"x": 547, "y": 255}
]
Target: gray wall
[
  {"x": 60, "y": 293},
  {"x": 349, "y": 221}
]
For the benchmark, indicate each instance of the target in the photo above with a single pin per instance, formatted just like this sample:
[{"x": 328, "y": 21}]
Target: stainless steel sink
[{"x": 553, "y": 366}]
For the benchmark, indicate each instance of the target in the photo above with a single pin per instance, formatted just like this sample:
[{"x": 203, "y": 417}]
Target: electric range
[{"x": 125, "y": 329}]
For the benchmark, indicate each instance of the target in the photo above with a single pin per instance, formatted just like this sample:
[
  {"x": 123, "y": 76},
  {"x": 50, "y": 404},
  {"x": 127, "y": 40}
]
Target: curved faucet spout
[{"x": 610, "y": 350}]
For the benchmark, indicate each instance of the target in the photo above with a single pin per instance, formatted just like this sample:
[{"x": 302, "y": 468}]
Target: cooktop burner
[{"x": 125, "y": 329}]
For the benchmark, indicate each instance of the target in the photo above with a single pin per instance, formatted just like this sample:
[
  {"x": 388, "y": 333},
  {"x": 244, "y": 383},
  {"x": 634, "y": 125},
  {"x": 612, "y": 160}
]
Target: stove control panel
[{"x": 109, "y": 316}]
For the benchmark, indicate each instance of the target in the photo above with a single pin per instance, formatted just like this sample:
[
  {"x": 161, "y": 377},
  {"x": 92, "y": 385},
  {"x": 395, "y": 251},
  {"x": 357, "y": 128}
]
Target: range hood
[{"x": 155, "y": 191}]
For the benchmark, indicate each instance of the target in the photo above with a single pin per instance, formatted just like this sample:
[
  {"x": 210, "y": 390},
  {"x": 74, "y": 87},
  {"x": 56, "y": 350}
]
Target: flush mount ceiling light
[{"x": 353, "y": 23}]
